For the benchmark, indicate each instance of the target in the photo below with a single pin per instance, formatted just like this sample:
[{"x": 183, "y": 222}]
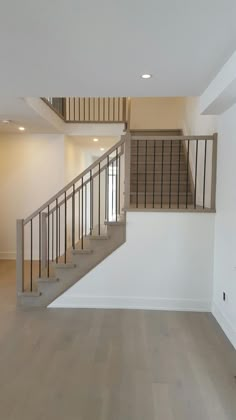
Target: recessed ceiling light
[
  {"x": 146, "y": 76},
  {"x": 102, "y": 148},
  {"x": 95, "y": 139},
  {"x": 21, "y": 128},
  {"x": 5, "y": 121}
]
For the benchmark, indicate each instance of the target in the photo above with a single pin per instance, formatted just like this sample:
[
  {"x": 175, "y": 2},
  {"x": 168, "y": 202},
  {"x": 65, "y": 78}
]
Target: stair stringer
[{"x": 66, "y": 275}]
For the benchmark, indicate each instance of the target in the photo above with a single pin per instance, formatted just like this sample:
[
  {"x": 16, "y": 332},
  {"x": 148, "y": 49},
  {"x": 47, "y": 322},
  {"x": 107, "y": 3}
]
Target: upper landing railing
[{"x": 90, "y": 110}]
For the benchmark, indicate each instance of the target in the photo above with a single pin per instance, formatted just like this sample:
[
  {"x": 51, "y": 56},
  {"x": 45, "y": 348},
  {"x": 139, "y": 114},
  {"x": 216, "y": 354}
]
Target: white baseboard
[
  {"x": 125, "y": 302},
  {"x": 7, "y": 255},
  {"x": 225, "y": 323}
]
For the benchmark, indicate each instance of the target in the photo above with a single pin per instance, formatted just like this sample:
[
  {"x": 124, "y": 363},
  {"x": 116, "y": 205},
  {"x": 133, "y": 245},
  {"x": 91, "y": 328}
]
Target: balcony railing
[{"x": 90, "y": 110}]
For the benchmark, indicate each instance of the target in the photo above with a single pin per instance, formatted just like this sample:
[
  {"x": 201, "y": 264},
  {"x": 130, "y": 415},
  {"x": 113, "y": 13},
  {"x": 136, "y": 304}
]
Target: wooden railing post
[
  {"x": 44, "y": 250},
  {"x": 20, "y": 256},
  {"x": 213, "y": 172},
  {"x": 127, "y": 170}
]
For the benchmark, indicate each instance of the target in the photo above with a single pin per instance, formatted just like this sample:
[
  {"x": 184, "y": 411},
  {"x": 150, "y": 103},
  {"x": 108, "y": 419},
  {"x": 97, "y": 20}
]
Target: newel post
[
  {"x": 213, "y": 172},
  {"x": 127, "y": 169},
  {"x": 19, "y": 256}
]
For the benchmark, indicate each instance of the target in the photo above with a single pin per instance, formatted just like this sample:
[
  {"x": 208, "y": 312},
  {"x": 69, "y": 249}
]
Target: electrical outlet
[{"x": 224, "y": 296}]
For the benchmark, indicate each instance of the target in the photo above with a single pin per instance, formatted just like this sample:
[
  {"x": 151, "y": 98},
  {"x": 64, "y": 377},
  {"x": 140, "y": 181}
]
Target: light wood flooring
[{"x": 72, "y": 364}]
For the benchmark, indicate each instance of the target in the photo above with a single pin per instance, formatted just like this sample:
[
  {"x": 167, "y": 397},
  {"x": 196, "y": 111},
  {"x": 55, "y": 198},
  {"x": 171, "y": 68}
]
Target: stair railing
[
  {"x": 173, "y": 172},
  {"x": 64, "y": 222},
  {"x": 91, "y": 110}
]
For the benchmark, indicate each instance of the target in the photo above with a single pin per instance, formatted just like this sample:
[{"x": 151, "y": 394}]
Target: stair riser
[
  {"x": 157, "y": 200},
  {"x": 166, "y": 167},
  {"x": 141, "y": 150},
  {"x": 157, "y": 188},
  {"x": 165, "y": 178}
]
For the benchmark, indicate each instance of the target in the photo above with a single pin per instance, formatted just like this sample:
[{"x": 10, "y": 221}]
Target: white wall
[
  {"x": 225, "y": 226},
  {"x": 166, "y": 263},
  {"x": 31, "y": 171},
  {"x": 196, "y": 124}
]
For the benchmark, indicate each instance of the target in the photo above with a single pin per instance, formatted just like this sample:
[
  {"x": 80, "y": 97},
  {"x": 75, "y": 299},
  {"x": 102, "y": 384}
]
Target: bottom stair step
[
  {"x": 65, "y": 265},
  {"x": 29, "y": 294}
]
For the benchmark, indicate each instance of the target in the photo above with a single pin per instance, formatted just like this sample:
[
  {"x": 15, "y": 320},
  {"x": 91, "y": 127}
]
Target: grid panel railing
[{"x": 177, "y": 172}]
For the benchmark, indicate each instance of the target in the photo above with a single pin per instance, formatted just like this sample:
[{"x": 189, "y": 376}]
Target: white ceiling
[
  {"x": 21, "y": 114},
  {"x": 100, "y": 48}
]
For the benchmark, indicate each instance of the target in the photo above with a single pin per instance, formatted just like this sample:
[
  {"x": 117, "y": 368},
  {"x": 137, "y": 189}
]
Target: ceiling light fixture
[
  {"x": 102, "y": 149},
  {"x": 95, "y": 139},
  {"x": 21, "y": 128},
  {"x": 5, "y": 121},
  {"x": 146, "y": 76}
]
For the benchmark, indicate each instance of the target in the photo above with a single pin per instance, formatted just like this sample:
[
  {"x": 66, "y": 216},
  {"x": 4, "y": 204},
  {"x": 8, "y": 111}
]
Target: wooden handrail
[
  {"x": 137, "y": 137},
  {"x": 84, "y": 183},
  {"x": 74, "y": 181}
]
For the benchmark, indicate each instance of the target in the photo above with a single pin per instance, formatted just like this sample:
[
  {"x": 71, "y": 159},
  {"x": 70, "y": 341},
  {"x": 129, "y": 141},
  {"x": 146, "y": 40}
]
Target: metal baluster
[
  {"x": 116, "y": 182},
  {"x": 31, "y": 255},
  {"x": 48, "y": 248},
  {"x": 195, "y": 186},
  {"x": 91, "y": 203},
  {"x": 65, "y": 243},
  {"x": 204, "y": 177},
  {"x": 82, "y": 213},
  {"x": 85, "y": 210},
  {"x": 57, "y": 230},
  {"x": 112, "y": 190},
  {"x": 48, "y": 239},
  {"x": 40, "y": 245},
  {"x": 99, "y": 200},
  {"x": 73, "y": 217},
  {"x": 108, "y": 190},
  {"x": 119, "y": 186},
  {"x": 154, "y": 175},
  {"x": 162, "y": 162},
  {"x": 52, "y": 235},
  {"x": 145, "y": 177},
  {"x": 137, "y": 174},
  {"x": 79, "y": 212},
  {"x": 170, "y": 186},
  {"x": 187, "y": 176},
  {"x": 179, "y": 173}
]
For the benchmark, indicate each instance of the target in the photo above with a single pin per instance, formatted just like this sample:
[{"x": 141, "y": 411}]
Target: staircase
[
  {"x": 73, "y": 232},
  {"x": 85, "y": 222}
]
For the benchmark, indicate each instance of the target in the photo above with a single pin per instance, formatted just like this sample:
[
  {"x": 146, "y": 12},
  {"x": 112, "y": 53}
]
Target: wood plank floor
[{"x": 71, "y": 364}]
